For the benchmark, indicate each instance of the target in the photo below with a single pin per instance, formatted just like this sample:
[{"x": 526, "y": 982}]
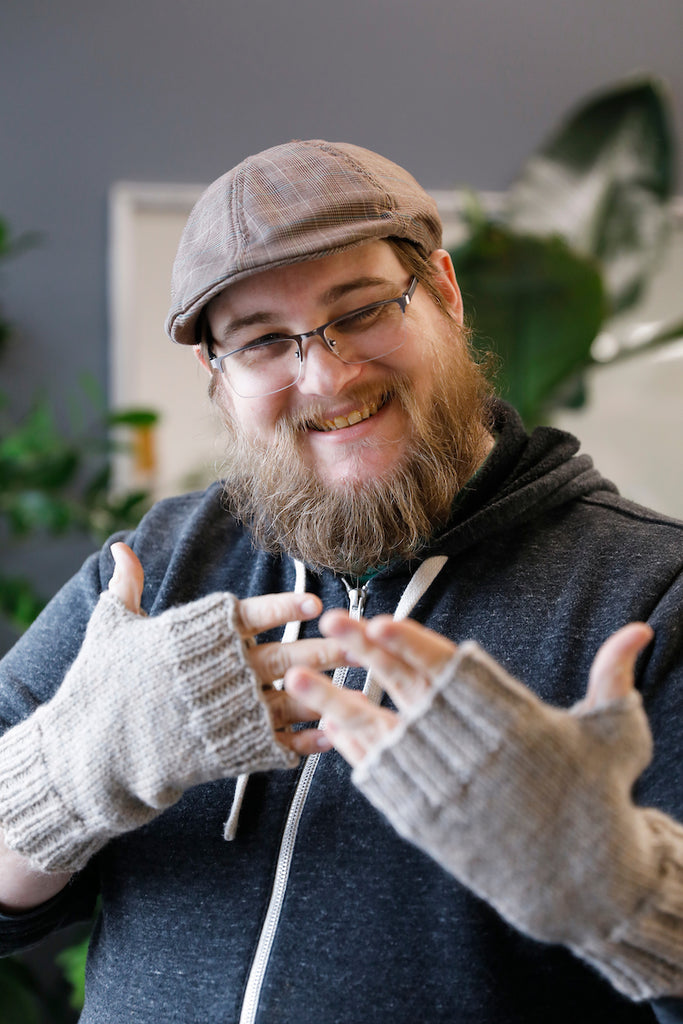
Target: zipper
[{"x": 357, "y": 600}]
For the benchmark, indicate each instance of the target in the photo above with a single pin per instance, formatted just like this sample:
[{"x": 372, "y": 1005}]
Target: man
[{"x": 489, "y": 863}]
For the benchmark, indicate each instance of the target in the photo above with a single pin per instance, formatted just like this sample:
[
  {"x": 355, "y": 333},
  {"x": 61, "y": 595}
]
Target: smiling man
[
  {"x": 481, "y": 827},
  {"x": 370, "y": 425}
]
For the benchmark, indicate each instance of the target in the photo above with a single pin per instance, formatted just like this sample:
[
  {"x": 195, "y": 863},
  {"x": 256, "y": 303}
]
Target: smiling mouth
[{"x": 357, "y": 416}]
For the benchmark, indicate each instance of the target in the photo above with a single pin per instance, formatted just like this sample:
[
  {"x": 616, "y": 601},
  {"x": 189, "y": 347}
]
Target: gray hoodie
[{"x": 344, "y": 920}]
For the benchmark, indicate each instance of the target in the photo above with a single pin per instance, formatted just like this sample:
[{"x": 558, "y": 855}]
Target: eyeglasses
[{"x": 274, "y": 363}]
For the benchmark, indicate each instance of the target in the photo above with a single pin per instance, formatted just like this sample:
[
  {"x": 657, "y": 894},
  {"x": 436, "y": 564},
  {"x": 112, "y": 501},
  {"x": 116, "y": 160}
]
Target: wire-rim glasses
[{"x": 275, "y": 362}]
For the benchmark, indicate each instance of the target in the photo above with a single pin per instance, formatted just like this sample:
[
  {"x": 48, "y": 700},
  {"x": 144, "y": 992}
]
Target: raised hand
[
  {"x": 269, "y": 661},
  {"x": 405, "y": 659}
]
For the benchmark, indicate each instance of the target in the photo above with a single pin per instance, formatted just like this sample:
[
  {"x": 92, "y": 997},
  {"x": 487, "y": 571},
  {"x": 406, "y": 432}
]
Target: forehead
[{"x": 310, "y": 282}]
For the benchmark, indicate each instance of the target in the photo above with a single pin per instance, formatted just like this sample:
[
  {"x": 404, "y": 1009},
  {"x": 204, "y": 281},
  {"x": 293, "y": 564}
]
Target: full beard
[{"x": 353, "y": 526}]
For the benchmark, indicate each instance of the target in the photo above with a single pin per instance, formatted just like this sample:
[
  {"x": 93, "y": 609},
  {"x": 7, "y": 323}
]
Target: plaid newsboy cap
[{"x": 295, "y": 202}]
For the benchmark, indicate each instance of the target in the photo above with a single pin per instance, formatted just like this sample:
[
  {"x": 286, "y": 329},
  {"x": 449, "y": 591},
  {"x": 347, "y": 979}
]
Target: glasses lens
[
  {"x": 368, "y": 333},
  {"x": 263, "y": 369}
]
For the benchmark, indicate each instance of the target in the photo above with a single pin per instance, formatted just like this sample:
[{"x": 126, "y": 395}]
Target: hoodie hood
[{"x": 524, "y": 476}]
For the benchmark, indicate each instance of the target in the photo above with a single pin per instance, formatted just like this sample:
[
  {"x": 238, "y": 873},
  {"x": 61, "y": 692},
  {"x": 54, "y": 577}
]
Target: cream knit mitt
[
  {"x": 149, "y": 707},
  {"x": 530, "y": 807}
]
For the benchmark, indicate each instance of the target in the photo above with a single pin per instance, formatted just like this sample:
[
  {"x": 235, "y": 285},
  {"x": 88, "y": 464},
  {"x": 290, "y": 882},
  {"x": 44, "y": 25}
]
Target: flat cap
[{"x": 295, "y": 202}]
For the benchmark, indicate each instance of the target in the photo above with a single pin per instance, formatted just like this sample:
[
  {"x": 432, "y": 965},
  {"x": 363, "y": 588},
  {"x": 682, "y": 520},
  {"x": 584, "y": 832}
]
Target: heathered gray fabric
[
  {"x": 545, "y": 560},
  {"x": 150, "y": 707}
]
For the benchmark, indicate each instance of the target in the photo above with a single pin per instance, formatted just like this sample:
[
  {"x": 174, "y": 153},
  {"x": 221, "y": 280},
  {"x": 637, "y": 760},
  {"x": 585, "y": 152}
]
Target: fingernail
[
  {"x": 309, "y": 606},
  {"x": 322, "y": 743},
  {"x": 298, "y": 683}
]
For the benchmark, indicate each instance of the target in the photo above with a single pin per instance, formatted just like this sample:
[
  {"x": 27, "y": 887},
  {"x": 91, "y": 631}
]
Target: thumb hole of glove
[{"x": 128, "y": 578}]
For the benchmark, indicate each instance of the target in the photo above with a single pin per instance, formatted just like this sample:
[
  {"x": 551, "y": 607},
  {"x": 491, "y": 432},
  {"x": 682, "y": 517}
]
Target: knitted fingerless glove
[
  {"x": 149, "y": 707},
  {"x": 530, "y": 807}
]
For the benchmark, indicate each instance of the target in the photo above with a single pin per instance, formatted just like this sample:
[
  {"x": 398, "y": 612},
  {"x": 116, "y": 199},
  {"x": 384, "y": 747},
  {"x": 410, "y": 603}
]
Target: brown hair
[{"x": 417, "y": 263}]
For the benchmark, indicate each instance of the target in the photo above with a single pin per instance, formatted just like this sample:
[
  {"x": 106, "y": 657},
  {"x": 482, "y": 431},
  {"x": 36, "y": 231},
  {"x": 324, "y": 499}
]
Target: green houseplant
[
  {"x": 54, "y": 481},
  {"x": 574, "y": 243}
]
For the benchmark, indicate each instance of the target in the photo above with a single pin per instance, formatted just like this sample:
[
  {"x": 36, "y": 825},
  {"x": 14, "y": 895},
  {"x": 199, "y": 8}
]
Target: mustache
[{"x": 293, "y": 423}]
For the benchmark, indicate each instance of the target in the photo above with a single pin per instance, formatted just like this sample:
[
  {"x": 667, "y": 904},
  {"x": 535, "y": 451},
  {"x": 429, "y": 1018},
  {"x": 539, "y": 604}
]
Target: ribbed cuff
[
  {"x": 643, "y": 955},
  {"x": 150, "y": 707},
  {"x": 35, "y": 820},
  {"x": 225, "y": 706}
]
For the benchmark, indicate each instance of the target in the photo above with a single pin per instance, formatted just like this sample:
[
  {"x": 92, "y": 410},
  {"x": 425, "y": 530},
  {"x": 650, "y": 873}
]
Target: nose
[{"x": 323, "y": 373}]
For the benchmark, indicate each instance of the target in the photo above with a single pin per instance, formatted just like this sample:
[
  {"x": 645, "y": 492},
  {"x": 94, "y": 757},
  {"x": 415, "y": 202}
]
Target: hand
[
  {"x": 149, "y": 708},
  {"x": 405, "y": 659},
  {"x": 269, "y": 661},
  {"x": 528, "y": 806}
]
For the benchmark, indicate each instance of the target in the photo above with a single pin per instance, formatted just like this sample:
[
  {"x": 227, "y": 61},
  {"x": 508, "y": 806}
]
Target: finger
[
  {"x": 284, "y": 710},
  {"x": 271, "y": 661},
  {"x": 128, "y": 578},
  {"x": 256, "y": 614},
  {"x": 404, "y": 657},
  {"x": 418, "y": 646},
  {"x": 306, "y": 741},
  {"x": 351, "y": 721},
  {"x": 612, "y": 671},
  {"x": 404, "y": 684}
]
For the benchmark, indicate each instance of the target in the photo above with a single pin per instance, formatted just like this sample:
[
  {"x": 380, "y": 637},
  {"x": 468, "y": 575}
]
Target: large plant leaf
[
  {"x": 536, "y": 304},
  {"x": 602, "y": 181}
]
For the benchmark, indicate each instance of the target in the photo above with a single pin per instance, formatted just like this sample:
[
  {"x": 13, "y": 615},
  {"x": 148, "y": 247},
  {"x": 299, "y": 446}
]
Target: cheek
[
  {"x": 248, "y": 414},
  {"x": 256, "y": 417}
]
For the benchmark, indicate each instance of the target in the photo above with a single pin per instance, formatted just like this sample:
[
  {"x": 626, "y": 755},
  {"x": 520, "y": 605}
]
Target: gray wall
[{"x": 172, "y": 90}]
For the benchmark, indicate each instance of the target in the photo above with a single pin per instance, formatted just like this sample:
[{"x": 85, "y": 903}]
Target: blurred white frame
[
  {"x": 145, "y": 369},
  {"x": 632, "y": 425}
]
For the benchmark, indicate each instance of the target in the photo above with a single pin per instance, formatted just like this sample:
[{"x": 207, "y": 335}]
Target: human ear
[
  {"x": 198, "y": 351},
  {"x": 447, "y": 283}
]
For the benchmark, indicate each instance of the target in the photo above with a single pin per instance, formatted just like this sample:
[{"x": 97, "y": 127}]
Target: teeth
[{"x": 339, "y": 422}]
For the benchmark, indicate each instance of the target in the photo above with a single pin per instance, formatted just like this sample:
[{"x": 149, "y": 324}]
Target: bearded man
[{"x": 485, "y": 859}]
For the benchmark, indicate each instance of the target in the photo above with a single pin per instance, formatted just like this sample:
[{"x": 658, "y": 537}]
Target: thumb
[
  {"x": 612, "y": 671},
  {"x": 128, "y": 578}
]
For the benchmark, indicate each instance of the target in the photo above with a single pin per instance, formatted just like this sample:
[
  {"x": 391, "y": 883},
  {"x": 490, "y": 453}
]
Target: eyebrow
[{"x": 263, "y": 317}]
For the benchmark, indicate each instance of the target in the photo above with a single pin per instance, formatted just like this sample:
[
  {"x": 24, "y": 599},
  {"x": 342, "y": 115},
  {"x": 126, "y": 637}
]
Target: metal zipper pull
[{"x": 357, "y": 598}]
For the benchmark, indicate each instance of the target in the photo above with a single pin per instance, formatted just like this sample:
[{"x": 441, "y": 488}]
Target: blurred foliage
[
  {"x": 72, "y": 963},
  {"x": 21, "y": 1000},
  {"x": 579, "y": 234},
  {"x": 54, "y": 481}
]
